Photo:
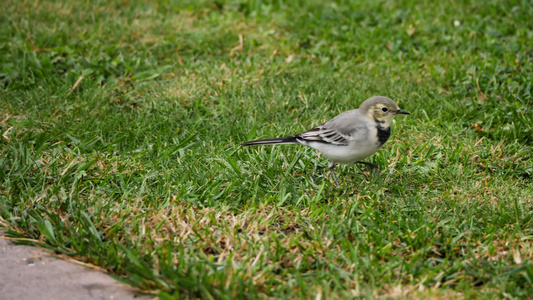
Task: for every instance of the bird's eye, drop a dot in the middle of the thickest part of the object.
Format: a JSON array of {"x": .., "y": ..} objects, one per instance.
[{"x": 384, "y": 109}]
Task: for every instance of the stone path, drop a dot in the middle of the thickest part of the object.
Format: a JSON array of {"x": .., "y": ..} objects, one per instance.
[{"x": 32, "y": 273}]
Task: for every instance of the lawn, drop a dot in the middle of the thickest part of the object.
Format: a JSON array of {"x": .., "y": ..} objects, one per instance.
[{"x": 121, "y": 123}]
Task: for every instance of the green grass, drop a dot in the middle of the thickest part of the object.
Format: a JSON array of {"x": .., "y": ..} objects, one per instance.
[{"x": 120, "y": 125}]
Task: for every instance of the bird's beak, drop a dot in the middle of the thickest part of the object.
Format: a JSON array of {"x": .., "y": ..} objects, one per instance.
[{"x": 402, "y": 112}]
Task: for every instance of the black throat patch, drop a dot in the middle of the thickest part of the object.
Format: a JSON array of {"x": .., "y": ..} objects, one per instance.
[{"x": 383, "y": 134}]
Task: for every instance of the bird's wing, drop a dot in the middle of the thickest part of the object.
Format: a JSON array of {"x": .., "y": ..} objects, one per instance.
[
  {"x": 339, "y": 130},
  {"x": 324, "y": 135}
]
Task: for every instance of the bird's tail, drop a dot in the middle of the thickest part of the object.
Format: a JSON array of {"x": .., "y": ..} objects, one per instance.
[{"x": 281, "y": 140}]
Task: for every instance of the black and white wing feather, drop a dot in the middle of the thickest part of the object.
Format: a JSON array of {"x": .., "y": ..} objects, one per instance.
[
  {"x": 337, "y": 131},
  {"x": 322, "y": 134}
]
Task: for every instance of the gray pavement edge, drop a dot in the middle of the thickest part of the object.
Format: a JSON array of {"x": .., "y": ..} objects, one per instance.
[{"x": 32, "y": 273}]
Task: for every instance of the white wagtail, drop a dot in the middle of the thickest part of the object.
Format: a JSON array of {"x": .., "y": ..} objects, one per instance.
[{"x": 349, "y": 137}]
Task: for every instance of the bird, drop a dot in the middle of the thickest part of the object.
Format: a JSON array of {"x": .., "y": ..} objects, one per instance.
[{"x": 349, "y": 137}]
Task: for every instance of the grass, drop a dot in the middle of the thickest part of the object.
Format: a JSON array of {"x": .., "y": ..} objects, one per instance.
[{"x": 121, "y": 123}]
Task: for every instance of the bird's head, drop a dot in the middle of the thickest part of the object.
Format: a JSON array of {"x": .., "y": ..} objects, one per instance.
[{"x": 381, "y": 109}]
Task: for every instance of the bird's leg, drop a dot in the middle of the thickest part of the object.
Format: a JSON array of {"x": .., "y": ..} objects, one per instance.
[
  {"x": 374, "y": 167},
  {"x": 331, "y": 166}
]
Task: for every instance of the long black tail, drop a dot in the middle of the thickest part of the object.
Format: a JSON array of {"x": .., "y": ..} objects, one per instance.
[{"x": 281, "y": 140}]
